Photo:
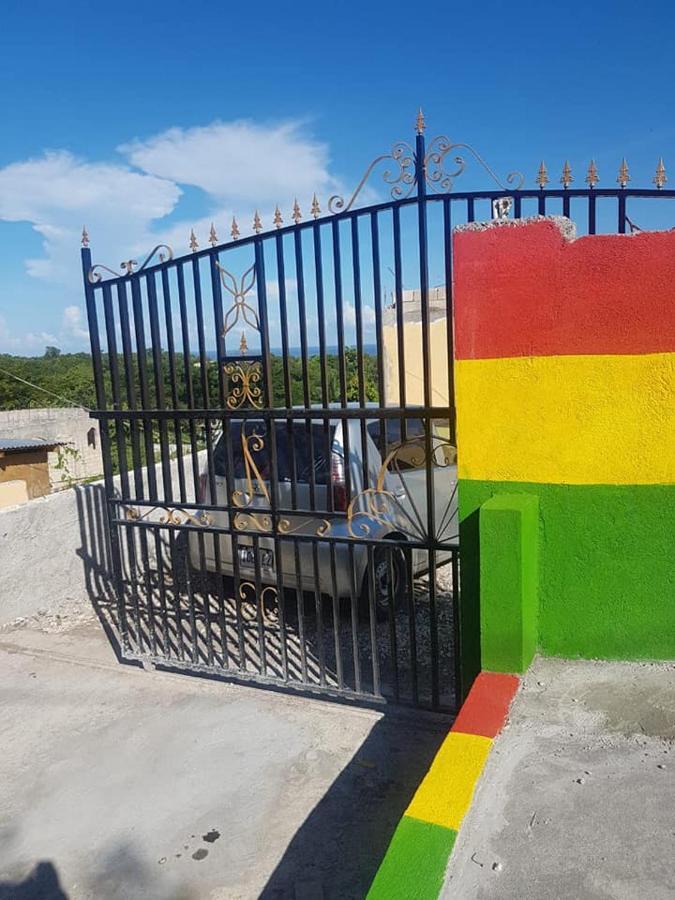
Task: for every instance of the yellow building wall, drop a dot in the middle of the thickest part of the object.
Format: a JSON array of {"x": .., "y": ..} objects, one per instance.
[{"x": 413, "y": 359}]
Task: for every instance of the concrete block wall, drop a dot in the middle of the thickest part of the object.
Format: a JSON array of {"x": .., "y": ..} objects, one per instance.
[
  {"x": 43, "y": 544},
  {"x": 565, "y": 375},
  {"x": 54, "y": 550}
]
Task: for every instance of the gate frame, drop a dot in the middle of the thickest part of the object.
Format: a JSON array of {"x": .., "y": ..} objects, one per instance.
[{"x": 420, "y": 180}]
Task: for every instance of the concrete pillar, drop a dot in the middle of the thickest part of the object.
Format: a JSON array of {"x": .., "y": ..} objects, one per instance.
[{"x": 508, "y": 582}]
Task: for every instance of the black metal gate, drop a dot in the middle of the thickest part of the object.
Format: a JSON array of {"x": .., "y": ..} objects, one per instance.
[{"x": 278, "y": 432}]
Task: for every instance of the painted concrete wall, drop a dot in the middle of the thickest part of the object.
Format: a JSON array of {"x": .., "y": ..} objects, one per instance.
[
  {"x": 13, "y": 492},
  {"x": 565, "y": 373}
]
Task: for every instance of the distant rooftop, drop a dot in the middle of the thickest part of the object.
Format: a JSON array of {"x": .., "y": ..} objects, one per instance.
[{"x": 14, "y": 445}]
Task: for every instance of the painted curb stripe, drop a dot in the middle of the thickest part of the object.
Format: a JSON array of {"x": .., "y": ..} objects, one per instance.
[
  {"x": 491, "y": 697},
  {"x": 533, "y": 292},
  {"x": 459, "y": 762},
  {"x": 414, "y": 865},
  {"x": 568, "y": 419},
  {"x": 415, "y": 862}
]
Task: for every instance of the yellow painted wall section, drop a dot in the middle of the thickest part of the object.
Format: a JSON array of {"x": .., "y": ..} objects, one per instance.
[{"x": 567, "y": 419}]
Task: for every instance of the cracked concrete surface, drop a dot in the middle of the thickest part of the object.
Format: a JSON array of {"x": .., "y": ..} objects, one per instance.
[{"x": 577, "y": 799}]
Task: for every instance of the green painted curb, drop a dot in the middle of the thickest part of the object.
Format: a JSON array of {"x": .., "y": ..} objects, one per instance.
[{"x": 414, "y": 865}]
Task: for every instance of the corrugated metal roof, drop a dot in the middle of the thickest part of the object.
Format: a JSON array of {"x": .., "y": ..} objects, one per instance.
[{"x": 9, "y": 445}]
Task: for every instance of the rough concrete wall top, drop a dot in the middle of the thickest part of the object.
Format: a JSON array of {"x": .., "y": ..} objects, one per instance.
[{"x": 566, "y": 227}]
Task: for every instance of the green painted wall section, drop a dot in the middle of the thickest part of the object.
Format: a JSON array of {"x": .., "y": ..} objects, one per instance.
[
  {"x": 508, "y": 526},
  {"x": 414, "y": 865},
  {"x": 606, "y": 572}
]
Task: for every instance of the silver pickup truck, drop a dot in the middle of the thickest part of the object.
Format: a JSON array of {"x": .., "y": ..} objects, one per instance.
[{"x": 383, "y": 499}]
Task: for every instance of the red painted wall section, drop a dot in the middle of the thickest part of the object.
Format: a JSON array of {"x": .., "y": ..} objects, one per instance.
[{"x": 549, "y": 295}]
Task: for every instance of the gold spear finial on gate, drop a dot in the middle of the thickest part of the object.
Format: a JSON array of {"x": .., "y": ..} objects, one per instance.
[
  {"x": 660, "y": 178},
  {"x": 566, "y": 178},
  {"x": 542, "y": 178},
  {"x": 213, "y": 237},
  {"x": 592, "y": 177},
  {"x": 234, "y": 231},
  {"x": 278, "y": 221},
  {"x": 297, "y": 215},
  {"x": 243, "y": 346},
  {"x": 193, "y": 240},
  {"x": 316, "y": 209},
  {"x": 623, "y": 177},
  {"x": 85, "y": 236},
  {"x": 420, "y": 124},
  {"x": 257, "y": 224}
]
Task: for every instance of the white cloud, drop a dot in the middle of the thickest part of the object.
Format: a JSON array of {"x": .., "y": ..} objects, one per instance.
[
  {"x": 59, "y": 193},
  {"x": 28, "y": 343},
  {"x": 240, "y": 166},
  {"x": 272, "y": 288},
  {"x": 58, "y": 186},
  {"x": 367, "y": 315},
  {"x": 73, "y": 323},
  {"x": 238, "y": 163},
  {"x": 72, "y": 334}
]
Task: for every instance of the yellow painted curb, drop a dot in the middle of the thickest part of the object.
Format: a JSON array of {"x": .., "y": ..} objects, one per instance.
[{"x": 445, "y": 794}]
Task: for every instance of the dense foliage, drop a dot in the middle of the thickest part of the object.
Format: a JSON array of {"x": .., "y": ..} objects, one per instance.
[{"x": 69, "y": 377}]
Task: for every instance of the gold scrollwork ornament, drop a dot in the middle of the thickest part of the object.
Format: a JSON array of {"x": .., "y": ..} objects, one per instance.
[
  {"x": 268, "y": 599},
  {"x": 245, "y": 379},
  {"x": 129, "y": 266},
  {"x": 240, "y": 309},
  {"x": 172, "y": 516}
]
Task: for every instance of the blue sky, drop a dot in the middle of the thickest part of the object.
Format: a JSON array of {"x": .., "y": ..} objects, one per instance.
[{"x": 144, "y": 119}]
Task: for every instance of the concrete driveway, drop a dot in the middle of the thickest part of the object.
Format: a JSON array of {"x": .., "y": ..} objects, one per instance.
[{"x": 119, "y": 783}]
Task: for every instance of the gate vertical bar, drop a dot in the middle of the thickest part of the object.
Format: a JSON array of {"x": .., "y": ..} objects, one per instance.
[
  {"x": 97, "y": 363},
  {"x": 421, "y": 175},
  {"x": 135, "y": 454},
  {"x": 189, "y": 390},
  {"x": 450, "y": 338},
  {"x": 216, "y": 297},
  {"x": 208, "y": 437},
  {"x": 270, "y": 424}
]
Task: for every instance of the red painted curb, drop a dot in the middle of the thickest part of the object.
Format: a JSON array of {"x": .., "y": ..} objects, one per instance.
[{"x": 487, "y": 705}]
